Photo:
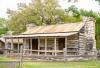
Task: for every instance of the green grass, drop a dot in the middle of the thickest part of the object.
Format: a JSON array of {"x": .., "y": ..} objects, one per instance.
[
  {"x": 87, "y": 64},
  {"x": 84, "y": 64},
  {"x": 6, "y": 59},
  {"x": 4, "y": 67}
]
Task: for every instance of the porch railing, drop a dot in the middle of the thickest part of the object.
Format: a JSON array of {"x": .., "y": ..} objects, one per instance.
[{"x": 43, "y": 50}]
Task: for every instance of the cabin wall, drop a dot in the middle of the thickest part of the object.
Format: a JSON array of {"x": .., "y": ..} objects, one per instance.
[
  {"x": 42, "y": 44},
  {"x": 82, "y": 41},
  {"x": 26, "y": 43},
  {"x": 73, "y": 45}
]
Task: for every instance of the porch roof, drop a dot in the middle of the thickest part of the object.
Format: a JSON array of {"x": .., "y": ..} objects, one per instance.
[
  {"x": 52, "y": 30},
  {"x": 9, "y": 40},
  {"x": 2, "y": 40}
]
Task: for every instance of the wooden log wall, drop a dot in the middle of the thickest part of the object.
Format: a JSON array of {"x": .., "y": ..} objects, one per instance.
[
  {"x": 82, "y": 41},
  {"x": 72, "y": 45}
]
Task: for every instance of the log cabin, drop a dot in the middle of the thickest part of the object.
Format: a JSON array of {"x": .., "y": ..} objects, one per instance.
[{"x": 64, "y": 40}]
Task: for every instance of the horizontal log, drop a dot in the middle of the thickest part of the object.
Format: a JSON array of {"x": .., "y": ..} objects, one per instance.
[{"x": 44, "y": 50}]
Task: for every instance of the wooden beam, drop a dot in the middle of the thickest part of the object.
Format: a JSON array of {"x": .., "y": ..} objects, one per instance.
[
  {"x": 45, "y": 46},
  {"x": 38, "y": 46},
  {"x": 55, "y": 47}
]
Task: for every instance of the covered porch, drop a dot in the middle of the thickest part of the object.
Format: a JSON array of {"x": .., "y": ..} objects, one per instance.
[{"x": 65, "y": 45}]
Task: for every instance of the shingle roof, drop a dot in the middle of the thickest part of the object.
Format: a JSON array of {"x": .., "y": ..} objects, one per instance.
[
  {"x": 58, "y": 28},
  {"x": 53, "y": 30}
]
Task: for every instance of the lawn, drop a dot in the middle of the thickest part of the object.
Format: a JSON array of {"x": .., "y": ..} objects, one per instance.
[
  {"x": 85, "y": 64},
  {"x": 81, "y": 64},
  {"x": 6, "y": 59}
]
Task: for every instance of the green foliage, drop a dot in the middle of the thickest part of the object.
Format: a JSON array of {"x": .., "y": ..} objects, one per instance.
[
  {"x": 74, "y": 10},
  {"x": 73, "y": 14},
  {"x": 3, "y": 31},
  {"x": 98, "y": 1},
  {"x": 2, "y": 23},
  {"x": 3, "y": 26},
  {"x": 39, "y": 12},
  {"x": 98, "y": 32},
  {"x": 88, "y": 13}
]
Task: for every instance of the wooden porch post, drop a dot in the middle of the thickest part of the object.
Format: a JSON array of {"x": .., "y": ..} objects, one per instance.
[
  {"x": 18, "y": 46},
  {"x": 31, "y": 45},
  {"x": 12, "y": 44},
  {"x": 38, "y": 46},
  {"x": 66, "y": 45},
  {"x": 45, "y": 46},
  {"x": 55, "y": 47},
  {"x": 6, "y": 46},
  {"x": 65, "y": 49},
  {"x": 24, "y": 44}
]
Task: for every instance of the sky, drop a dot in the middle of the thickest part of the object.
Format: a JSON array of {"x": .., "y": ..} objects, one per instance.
[{"x": 12, "y": 4}]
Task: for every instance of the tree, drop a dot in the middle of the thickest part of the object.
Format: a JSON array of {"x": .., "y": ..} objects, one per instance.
[
  {"x": 98, "y": 1},
  {"x": 74, "y": 10},
  {"x": 3, "y": 26},
  {"x": 73, "y": 13},
  {"x": 39, "y": 12},
  {"x": 88, "y": 13}
]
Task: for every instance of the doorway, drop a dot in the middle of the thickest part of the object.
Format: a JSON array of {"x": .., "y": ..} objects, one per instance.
[
  {"x": 61, "y": 43},
  {"x": 34, "y": 44}
]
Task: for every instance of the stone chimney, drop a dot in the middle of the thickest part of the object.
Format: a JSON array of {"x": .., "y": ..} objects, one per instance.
[
  {"x": 30, "y": 26},
  {"x": 90, "y": 27},
  {"x": 90, "y": 33}
]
